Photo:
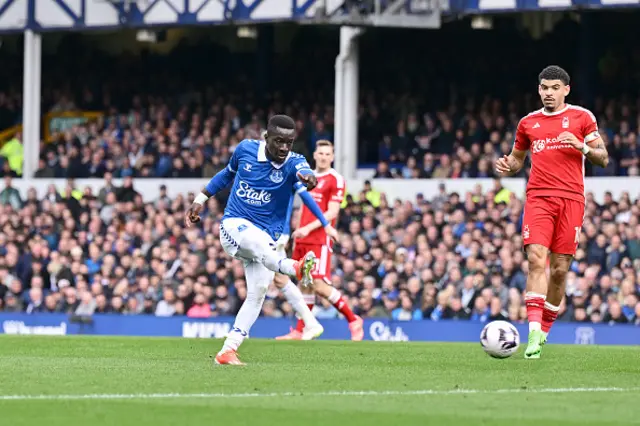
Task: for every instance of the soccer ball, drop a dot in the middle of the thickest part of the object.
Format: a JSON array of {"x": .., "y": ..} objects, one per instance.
[{"x": 500, "y": 339}]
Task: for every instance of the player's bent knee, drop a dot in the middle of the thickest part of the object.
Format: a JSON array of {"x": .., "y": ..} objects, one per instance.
[
  {"x": 558, "y": 275},
  {"x": 537, "y": 256},
  {"x": 322, "y": 288}
]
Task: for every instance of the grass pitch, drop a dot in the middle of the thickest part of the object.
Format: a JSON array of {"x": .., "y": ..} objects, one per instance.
[{"x": 79, "y": 381}]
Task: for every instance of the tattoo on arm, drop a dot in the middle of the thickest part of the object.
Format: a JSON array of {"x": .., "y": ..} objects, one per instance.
[
  {"x": 515, "y": 163},
  {"x": 598, "y": 155}
]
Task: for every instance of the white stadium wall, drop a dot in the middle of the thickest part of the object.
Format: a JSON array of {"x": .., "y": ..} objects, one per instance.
[{"x": 394, "y": 188}]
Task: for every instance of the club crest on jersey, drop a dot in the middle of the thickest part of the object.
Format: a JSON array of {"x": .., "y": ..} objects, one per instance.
[
  {"x": 565, "y": 123},
  {"x": 276, "y": 176}
]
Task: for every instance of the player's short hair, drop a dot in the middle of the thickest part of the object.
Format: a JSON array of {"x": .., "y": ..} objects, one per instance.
[
  {"x": 554, "y": 72},
  {"x": 324, "y": 142},
  {"x": 281, "y": 124}
]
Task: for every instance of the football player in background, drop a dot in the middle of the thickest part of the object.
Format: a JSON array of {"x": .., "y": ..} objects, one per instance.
[
  {"x": 311, "y": 237},
  {"x": 559, "y": 136}
]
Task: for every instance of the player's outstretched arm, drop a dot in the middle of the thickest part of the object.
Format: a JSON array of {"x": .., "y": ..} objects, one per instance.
[
  {"x": 220, "y": 181},
  {"x": 308, "y": 201},
  {"x": 510, "y": 165},
  {"x": 333, "y": 210}
]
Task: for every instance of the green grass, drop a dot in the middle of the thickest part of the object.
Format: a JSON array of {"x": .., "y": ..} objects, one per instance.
[{"x": 91, "y": 365}]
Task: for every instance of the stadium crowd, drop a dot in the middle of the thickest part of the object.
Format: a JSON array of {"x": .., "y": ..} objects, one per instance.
[
  {"x": 155, "y": 141},
  {"x": 181, "y": 122},
  {"x": 451, "y": 256}
]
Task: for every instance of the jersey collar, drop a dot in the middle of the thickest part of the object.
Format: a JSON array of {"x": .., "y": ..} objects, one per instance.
[
  {"x": 262, "y": 156},
  {"x": 566, "y": 107}
]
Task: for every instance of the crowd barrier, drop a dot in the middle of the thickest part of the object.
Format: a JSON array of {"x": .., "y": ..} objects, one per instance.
[
  {"x": 375, "y": 329},
  {"x": 394, "y": 188}
]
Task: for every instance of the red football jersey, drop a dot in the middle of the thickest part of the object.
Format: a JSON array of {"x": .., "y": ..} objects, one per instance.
[
  {"x": 331, "y": 187},
  {"x": 557, "y": 169}
]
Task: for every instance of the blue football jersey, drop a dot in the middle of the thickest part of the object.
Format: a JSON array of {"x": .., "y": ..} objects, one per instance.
[{"x": 263, "y": 190}]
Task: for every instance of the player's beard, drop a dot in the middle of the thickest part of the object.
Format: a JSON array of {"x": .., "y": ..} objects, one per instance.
[{"x": 551, "y": 105}]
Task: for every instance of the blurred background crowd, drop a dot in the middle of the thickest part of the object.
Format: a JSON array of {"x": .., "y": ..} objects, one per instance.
[
  {"x": 442, "y": 256},
  {"x": 418, "y": 118}
]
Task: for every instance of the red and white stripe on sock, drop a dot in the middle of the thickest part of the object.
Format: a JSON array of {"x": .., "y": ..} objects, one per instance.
[
  {"x": 535, "y": 306},
  {"x": 549, "y": 315},
  {"x": 341, "y": 305}
]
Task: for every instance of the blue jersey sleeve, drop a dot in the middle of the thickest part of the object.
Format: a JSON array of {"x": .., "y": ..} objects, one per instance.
[
  {"x": 225, "y": 177},
  {"x": 301, "y": 166},
  {"x": 308, "y": 201}
]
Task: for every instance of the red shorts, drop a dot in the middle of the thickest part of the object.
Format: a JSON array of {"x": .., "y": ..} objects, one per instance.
[
  {"x": 553, "y": 222},
  {"x": 322, "y": 270}
]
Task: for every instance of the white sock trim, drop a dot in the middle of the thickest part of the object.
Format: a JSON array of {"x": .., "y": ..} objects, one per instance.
[
  {"x": 309, "y": 299},
  {"x": 532, "y": 295},
  {"x": 334, "y": 296},
  {"x": 550, "y": 307},
  {"x": 535, "y": 326}
]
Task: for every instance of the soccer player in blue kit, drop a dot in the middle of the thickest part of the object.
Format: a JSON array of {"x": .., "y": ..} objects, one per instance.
[{"x": 265, "y": 175}]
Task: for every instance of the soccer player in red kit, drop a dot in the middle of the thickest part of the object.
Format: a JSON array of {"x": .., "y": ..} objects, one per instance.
[
  {"x": 310, "y": 236},
  {"x": 559, "y": 137}
]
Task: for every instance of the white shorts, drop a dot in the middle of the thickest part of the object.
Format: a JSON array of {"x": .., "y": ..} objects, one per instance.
[{"x": 243, "y": 240}]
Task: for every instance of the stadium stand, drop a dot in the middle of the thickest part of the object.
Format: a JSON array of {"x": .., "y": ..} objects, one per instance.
[
  {"x": 441, "y": 256},
  {"x": 456, "y": 256},
  {"x": 154, "y": 142},
  {"x": 180, "y": 123}
]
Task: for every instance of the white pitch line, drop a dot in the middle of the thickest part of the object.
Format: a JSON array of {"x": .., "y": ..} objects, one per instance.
[{"x": 309, "y": 394}]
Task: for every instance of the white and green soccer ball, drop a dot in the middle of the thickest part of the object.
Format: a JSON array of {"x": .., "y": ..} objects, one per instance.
[{"x": 500, "y": 339}]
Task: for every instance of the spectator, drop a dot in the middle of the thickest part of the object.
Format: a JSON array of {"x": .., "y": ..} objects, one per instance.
[
  {"x": 10, "y": 195},
  {"x": 12, "y": 152}
]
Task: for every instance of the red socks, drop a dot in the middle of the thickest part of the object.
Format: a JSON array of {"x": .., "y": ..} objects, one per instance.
[
  {"x": 535, "y": 305},
  {"x": 549, "y": 315},
  {"x": 338, "y": 302},
  {"x": 342, "y": 306}
]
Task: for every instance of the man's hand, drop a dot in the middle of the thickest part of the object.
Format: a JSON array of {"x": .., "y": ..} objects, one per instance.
[
  {"x": 301, "y": 232},
  {"x": 596, "y": 153},
  {"x": 502, "y": 166},
  {"x": 309, "y": 180},
  {"x": 193, "y": 215},
  {"x": 331, "y": 233},
  {"x": 571, "y": 139}
]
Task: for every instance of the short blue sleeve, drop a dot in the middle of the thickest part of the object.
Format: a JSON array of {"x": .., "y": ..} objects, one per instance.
[{"x": 301, "y": 165}]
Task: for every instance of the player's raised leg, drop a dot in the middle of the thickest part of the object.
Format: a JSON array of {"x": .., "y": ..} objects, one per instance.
[
  {"x": 248, "y": 242},
  {"x": 312, "y": 329},
  {"x": 243, "y": 240}
]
